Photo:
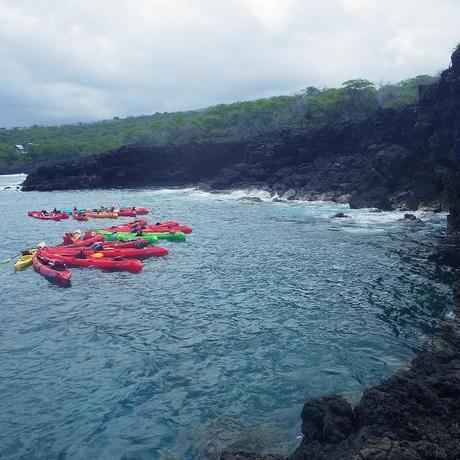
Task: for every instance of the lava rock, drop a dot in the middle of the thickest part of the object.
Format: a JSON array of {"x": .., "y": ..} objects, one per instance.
[
  {"x": 250, "y": 199},
  {"x": 410, "y": 218}
]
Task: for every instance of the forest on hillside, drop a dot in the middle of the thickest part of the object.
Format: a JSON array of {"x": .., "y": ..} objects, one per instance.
[{"x": 312, "y": 107}]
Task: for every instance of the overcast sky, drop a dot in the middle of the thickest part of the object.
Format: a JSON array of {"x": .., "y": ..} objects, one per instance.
[{"x": 81, "y": 60}]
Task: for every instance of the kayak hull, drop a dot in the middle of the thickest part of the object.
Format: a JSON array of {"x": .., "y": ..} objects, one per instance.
[
  {"x": 50, "y": 216},
  {"x": 128, "y": 253},
  {"x": 23, "y": 262},
  {"x": 87, "y": 241},
  {"x": 125, "y": 236},
  {"x": 79, "y": 217},
  {"x": 127, "y": 213},
  {"x": 130, "y": 265},
  {"x": 102, "y": 215},
  {"x": 59, "y": 277}
]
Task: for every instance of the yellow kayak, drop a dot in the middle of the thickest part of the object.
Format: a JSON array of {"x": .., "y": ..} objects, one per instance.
[{"x": 24, "y": 262}]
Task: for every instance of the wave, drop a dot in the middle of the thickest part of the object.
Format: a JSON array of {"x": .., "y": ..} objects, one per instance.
[{"x": 11, "y": 182}]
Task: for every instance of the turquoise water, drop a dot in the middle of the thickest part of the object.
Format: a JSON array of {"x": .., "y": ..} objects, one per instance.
[{"x": 266, "y": 305}]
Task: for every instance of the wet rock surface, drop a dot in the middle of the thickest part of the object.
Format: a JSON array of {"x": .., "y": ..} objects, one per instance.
[{"x": 413, "y": 415}]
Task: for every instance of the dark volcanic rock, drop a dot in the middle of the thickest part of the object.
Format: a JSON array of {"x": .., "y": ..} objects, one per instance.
[
  {"x": 410, "y": 218},
  {"x": 402, "y": 158},
  {"x": 376, "y": 162},
  {"x": 413, "y": 415},
  {"x": 250, "y": 199}
]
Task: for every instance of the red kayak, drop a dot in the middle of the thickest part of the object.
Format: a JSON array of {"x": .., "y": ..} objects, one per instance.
[
  {"x": 167, "y": 228},
  {"x": 127, "y": 213},
  {"x": 128, "y": 253},
  {"x": 127, "y": 226},
  {"x": 53, "y": 272},
  {"x": 104, "y": 244},
  {"x": 87, "y": 241},
  {"x": 141, "y": 211},
  {"x": 151, "y": 228},
  {"x": 79, "y": 217},
  {"x": 48, "y": 216},
  {"x": 119, "y": 264}
]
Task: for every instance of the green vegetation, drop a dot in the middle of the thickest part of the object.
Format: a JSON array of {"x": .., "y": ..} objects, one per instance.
[{"x": 311, "y": 107}]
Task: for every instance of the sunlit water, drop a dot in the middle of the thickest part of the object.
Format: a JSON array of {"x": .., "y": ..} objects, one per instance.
[{"x": 266, "y": 305}]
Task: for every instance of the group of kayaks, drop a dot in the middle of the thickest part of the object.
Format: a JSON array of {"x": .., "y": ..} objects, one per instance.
[
  {"x": 83, "y": 215},
  {"x": 119, "y": 248}
]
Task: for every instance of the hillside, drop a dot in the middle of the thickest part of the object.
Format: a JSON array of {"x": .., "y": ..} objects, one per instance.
[{"x": 239, "y": 121}]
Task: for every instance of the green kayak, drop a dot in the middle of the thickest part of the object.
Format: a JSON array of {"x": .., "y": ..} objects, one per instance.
[
  {"x": 126, "y": 236},
  {"x": 150, "y": 237}
]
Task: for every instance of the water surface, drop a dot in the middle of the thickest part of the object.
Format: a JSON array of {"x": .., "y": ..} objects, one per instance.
[{"x": 266, "y": 305}]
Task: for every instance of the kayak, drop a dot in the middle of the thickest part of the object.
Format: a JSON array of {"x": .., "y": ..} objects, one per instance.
[
  {"x": 24, "y": 261},
  {"x": 152, "y": 236},
  {"x": 48, "y": 216},
  {"x": 168, "y": 228},
  {"x": 126, "y": 226},
  {"x": 127, "y": 213},
  {"x": 86, "y": 241},
  {"x": 119, "y": 264},
  {"x": 152, "y": 228},
  {"x": 79, "y": 217},
  {"x": 139, "y": 211},
  {"x": 102, "y": 215},
  {"x": 128, "y": 253},
  {"x": 104, "y": 245},
  {"x": 127, "y": 236},
  {"x": 53, "y": 272}
]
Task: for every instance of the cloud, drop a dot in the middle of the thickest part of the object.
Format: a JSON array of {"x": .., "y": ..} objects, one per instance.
[{"x": 85, "y": 60}]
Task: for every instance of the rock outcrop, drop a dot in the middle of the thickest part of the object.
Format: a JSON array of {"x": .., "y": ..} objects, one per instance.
[
  {"x": 413, "y": 415},
  {"x": 377, "y": 162},
  {"x": 397, "y": 159}
]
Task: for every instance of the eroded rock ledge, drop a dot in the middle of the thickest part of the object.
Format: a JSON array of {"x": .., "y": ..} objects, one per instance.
[
  {"x": 413, "y": 415},
  {"x": 397, "y": 159}
]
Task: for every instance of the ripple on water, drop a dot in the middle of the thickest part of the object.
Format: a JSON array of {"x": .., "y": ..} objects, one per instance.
[{"x": 266, "y": 305}]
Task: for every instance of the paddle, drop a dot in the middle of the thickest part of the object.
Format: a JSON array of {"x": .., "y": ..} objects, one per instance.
[{"x": 5, "y": 261}]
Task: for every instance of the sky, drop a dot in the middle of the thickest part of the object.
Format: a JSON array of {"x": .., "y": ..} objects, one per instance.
[{"x": 64, "y": 61}]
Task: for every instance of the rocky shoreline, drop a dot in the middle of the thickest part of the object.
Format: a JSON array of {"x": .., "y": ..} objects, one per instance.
[
  {"x": 404, "y": 159},
  {"x": 413, "y": 415},
  {"x": 395, "y": 159}
]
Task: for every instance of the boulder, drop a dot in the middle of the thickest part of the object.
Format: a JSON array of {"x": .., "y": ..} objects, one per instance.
[
  {"x": 250, "y": 199},
  {"x": 410, "y": 218}
]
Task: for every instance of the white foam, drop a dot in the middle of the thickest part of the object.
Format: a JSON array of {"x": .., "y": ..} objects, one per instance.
[
  {"x": 10, "y": 182},
  {"x": 224, "y": 194}
]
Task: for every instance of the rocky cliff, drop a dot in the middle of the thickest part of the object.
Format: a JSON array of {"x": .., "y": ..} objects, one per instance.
[{"x": 396, "y": 159}]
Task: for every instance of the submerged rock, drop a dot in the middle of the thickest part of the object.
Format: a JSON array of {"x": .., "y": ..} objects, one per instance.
[
  {"x": 410, "y": 218},
  {"x": 339, "y": 215},
  {"x": 250, "y": 199}
]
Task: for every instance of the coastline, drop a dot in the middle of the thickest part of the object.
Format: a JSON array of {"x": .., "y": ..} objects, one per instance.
[{"x": 411, "y": 415}]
